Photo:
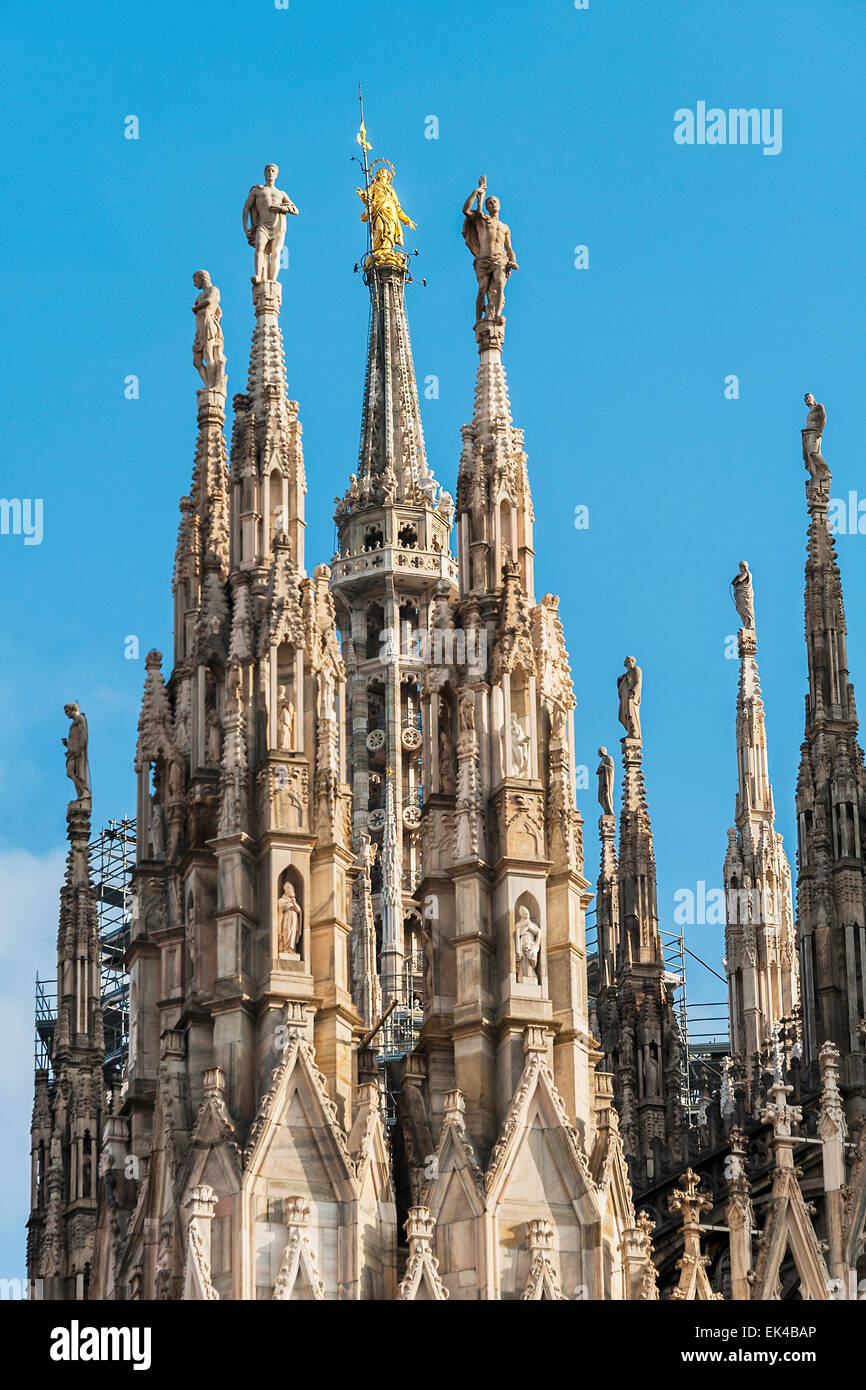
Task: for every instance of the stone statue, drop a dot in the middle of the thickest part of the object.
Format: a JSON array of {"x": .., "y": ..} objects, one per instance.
[
  {"x": 214, "y": 737},
  {"x": 629, "y": 686},
  {"x": 327, "y": 695},
  {"x": 289, "y": 922},
  {"x": 744, "y": 595},
  {"x": 285, "y": 721},
  {"x": 77, "y": 765},
  {"x": 519, "y": 748},
  {"x": 605, "y": 782},
  {"x": 383, "y": 212},
  {"x": 157, "y": 829},
  {"x": 558, "y": 721},
  {"x": 527, "y": 942},
  {"x": 266, "y": 207},
  {"x": 467, "y": 712},
  {"x": 208, "y": 356},
  {"x": 815, "y": 421},
  {"x": 175, "y": 778},
  {"x": 489, "y": 240},
  {"x": 446, "y": 763}
]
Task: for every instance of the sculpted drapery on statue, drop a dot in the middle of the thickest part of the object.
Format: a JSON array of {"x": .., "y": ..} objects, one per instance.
[
  {"x": 77, "y": 765},
  {"x": 489, "y": 240},
  {"x": 629, "y": 686},
  {"x": 527, "y": 943},
  {"x": 208, "y": 355},
  {"x": 605, "y": 782},
  {"x": 383, "y": 212},
  {"x": 267, "y": 207},
  {"x": 816, "y": 419},
  {"x": 744, "y": 594},
  {"x": 289, "y": 922}
]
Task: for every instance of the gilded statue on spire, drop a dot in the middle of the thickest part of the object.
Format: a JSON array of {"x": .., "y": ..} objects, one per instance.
[{"x": 386, "y": 217}]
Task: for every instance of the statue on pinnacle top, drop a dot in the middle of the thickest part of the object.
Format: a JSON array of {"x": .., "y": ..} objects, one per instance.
[
  {"x": 77, "y": 766},
  {"x": 629, "y": 686},
  {"x": 744, "y": 594},
  {"x": 605, "y": 781},
  {"x": 266, "y": 207},
  {"x": 385, "y": 215},
  {"x": 816, "y": 419},
  {"x": 208, "y": 356},
  {"x": 489, "y": 240}
]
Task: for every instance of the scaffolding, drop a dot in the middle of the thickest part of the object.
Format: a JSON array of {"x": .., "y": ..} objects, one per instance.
[
  {"x": 400, "y": 1030},
  {"x": 111, "y": 857}
]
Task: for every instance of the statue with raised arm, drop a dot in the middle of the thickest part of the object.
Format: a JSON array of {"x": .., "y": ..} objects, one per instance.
[
  {"x": 816, "y": 419},
  {"x": 77, "y": 765},
  {"x": 629, "y": 686},
  {"x": 489, "y": 240},
  {"x": 744, "y": 594},
  {"x": 266, "y": 208},
  {"x": 605, "y": 782},
  {"x": 208, "y": 356},
  {"x": 386, "y": 217}
]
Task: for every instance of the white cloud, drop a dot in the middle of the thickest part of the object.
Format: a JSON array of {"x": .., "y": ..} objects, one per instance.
[{"x": 29, "y": 903}]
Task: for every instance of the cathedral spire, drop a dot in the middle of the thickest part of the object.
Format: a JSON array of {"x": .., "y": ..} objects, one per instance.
[
  {"x": 493, "y": 497},
  {"x": 831, "y": 793},
  {"x": 760, "y": 958},
  {"x": 267, "y": 462}
]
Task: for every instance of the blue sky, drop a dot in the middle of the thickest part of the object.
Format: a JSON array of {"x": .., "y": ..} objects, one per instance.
[{"x": 704, "y": 261}]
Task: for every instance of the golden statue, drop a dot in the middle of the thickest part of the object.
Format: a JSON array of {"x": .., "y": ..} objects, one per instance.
[{"x": 383, "y": 211}]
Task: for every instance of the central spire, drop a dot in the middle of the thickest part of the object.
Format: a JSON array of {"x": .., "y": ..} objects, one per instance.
[{"x": 392, "y": 464}]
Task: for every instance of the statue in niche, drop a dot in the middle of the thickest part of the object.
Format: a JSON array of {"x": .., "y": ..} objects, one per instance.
[
  {"x": 558, "y": 721},
  {"x": 467, "y": 712},
  {"x": 208, "y": 355},
  {"x": 213, "y": 737},
  {"x": 327, "y": 695},
  {"x": 77, "y": 765},
  {"x": 267, "y": 207},
  {"x": 446, "y": 762},
  {"x": 520, "y": 741},
  {"x": 814, "y": 461},
  {"x": 650, "y": 1073},
  {"x": 629, "y": 686},
  {"x": 285, "y": 721},
  {"x": 157, "y": 829},
  {"x": 493, "y": 259},
  {"x": 605, "y": 782},
  {"x": 175, "y": 778},
  {"x": 289, "y": 922},
  {"x": 744, "y": 595},
  {"x": 527, "y": 943}
]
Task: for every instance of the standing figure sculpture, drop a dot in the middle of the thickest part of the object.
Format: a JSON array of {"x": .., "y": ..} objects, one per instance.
[
  {"x": 289, "y": 917},
  {"x": 267, "y": 207},
  {"x": 744, "y": 594},
  {"x": 816, "y": 419},
  {"x": 489, "y": 240},
  {"x": 213, "y": 739},
  {"x": 77, "y": 766},
  {"x": 527, "y": 943},
  {"x": 208, "y": 356},
  {"x": 605, "y": 782},
  {"x": 383, "y": 212},
  {"x": 629, "y": 686},
  {"x": 285, "y": 721},
  {"x": 520, "y": 741}
]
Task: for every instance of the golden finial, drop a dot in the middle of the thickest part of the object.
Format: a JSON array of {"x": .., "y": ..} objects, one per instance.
[{"x": 382, "y": 211}]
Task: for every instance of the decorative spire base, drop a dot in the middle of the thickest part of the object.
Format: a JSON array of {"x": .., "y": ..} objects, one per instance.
[{"x": 490, "y": 334}]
